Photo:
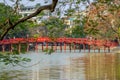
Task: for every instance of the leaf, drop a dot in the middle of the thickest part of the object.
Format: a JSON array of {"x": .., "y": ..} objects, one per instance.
[{"x": 26, "y": 59}]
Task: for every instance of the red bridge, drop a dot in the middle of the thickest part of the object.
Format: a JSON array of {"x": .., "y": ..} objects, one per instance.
[{"x": 61, "y": 44}]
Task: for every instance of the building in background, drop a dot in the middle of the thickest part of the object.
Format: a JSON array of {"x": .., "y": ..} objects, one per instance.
[{"x": 26, "y": 11}]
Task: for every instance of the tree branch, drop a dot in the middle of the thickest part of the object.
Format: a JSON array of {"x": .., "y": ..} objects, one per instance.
[
  {"x": 50, "y": 7},
  {"x": 114, "y": 30},
  {"x": 16, "y": 6}
]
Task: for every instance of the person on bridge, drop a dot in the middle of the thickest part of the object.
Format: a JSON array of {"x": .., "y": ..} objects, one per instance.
[{"x": 116, "y": 40}]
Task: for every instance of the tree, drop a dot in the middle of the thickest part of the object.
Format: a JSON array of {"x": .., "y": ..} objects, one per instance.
[
  {"x": 10, "y": 19},
  {"x": 8, "y": 23},
  {"x": 5, "y": 15},
  {"x": 53, "y": 28},
  {"x": 97, "y": 11},
  {"x": 103, "y": 17}
]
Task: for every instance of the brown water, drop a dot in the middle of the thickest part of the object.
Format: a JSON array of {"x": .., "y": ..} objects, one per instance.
[{"x": 66, "y": 66}]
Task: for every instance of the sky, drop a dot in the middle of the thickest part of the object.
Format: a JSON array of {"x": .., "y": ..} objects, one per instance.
[{"x": 26, "y": 2}]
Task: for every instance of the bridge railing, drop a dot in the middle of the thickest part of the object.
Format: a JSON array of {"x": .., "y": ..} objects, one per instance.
[{"x": 104, "y": 43}]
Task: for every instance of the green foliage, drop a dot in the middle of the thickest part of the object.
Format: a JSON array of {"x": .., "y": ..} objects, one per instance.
[
  {"x": 20, "y": 31},
  {"x": 108, "y": 34},
  {"x": 92, "y": 31},
  {"x": 77, "y": 32},
  {"x": 69, "y": 12},
  {"x": 15, "y": 49},
  {"x": 23, "y": 48},
  {"x": 6, "y": 13},
  {"x": 119, "y": 31},
  {"x": 77, "y": 22},
  {"x": 36, "y": 35},
  {"x": 55, "y": 27},
  {"x": 7, "y": 58}
]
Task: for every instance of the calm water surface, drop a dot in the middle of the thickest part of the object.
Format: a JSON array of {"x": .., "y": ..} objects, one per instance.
[{"x": 65, "y": 66}]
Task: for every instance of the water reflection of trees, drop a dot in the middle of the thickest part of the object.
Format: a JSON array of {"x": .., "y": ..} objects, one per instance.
[
  {"x": 100, "y": 67},
  {"x": 97, "y": 66},
  {"x": 117, "y": 67},
  {"x": 91, "y": 67},
  {"x": 15, "y": 75},
  {"x": 75, "y": 69}
]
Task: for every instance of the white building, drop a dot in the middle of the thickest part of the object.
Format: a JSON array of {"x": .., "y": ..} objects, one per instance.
[{"x": 26, "y": 11}]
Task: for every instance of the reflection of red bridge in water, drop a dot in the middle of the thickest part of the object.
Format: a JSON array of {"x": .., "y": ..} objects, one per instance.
[{"x": 58, "y": 44}]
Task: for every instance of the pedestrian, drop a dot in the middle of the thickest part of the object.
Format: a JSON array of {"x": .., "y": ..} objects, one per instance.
[{"x": 116, "y": 40}]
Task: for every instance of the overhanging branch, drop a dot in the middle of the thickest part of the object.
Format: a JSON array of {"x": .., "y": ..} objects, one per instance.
[{"x": 50, "y": 7}]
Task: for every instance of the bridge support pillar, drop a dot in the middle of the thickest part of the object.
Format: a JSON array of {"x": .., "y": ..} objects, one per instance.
[
  {"x": 84, "y": 47},
  {"x": 108, "y": 49},
  {"x": 46, "y": 45},
  {"x": 70, "y": 47},
  {"x": 99, "y": 50},
  {"x": 94, "y": 48},
  {"x": 79, "y": 47},
  {"x": 89, "y": 48},
  {"x": 74, "y": 46},
  {"x": 64, "y": 47},
  {"x": 27, "y": 47},
  {"x": 36, "y": 47},
  {"x": 19, "y": 47},
  {"x": 11, "y": 47},
  {"x": 55, "y": 46},
  {"x": 42, "y": 47},
  {"x": 52, "y": 47},
  {"x": 3, "y": 48},
  {"x": 61, "y": 47},
  {"x": 104, "y": 49}
]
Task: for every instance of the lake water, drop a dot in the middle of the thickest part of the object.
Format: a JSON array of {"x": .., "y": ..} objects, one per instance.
[{"x": 65, "y": 66}]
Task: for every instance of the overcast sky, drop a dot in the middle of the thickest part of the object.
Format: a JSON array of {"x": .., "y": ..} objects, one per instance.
[{"x": 27, "y": 3}]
